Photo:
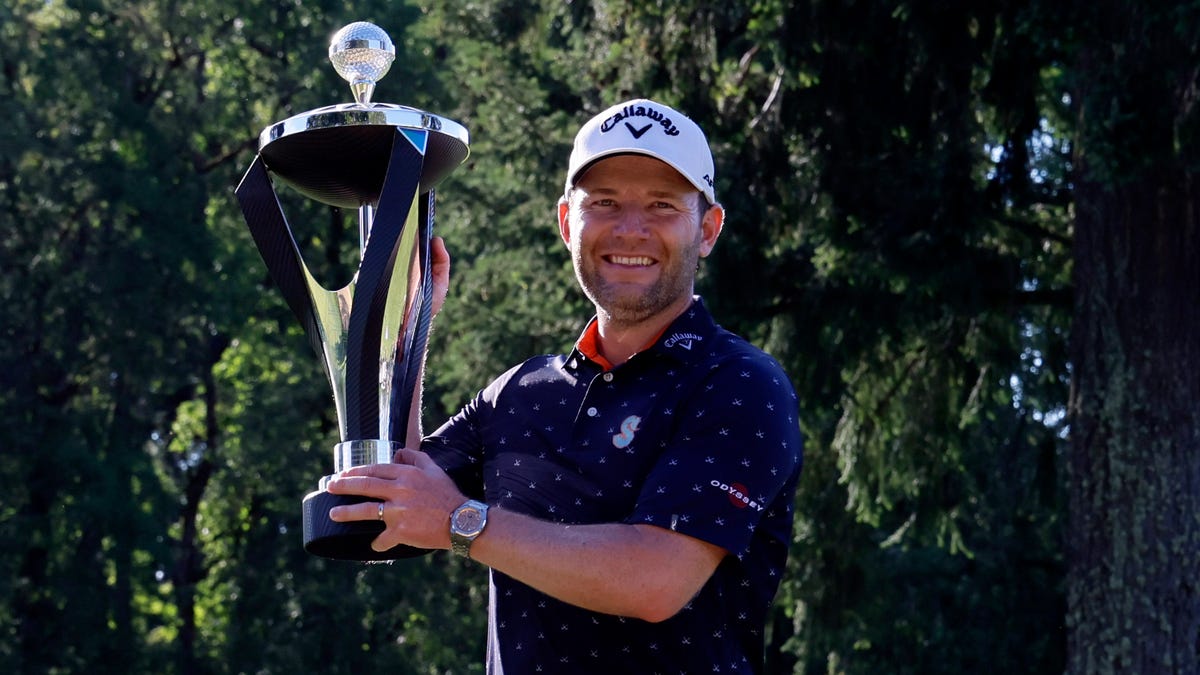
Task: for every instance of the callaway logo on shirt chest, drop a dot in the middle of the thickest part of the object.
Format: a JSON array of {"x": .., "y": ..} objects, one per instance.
[{"x": 685, "y": 340}]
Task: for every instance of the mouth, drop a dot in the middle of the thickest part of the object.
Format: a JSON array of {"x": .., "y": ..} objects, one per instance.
[{"x": 629, "y": 260}]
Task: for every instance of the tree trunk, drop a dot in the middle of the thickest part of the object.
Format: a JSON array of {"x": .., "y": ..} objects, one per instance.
[
  {"x": 190, "y": 564},
  {"x": 1134, "y": 461}
]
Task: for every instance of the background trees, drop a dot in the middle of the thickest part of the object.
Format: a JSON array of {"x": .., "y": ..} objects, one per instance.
[{"x": 923, "y": 200}]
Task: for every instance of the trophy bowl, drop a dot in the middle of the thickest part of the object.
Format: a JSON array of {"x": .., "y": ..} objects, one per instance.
[{"x": 298, "y": 150}]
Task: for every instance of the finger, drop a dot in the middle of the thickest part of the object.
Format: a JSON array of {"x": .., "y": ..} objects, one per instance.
[
  {"x": 414, "y": 458},
  {"x": 439, "y": 257},
  {"x": 440, "y": 270},
  {"x": 352, "y": 512},
  {"x": 367, "y": 486}
]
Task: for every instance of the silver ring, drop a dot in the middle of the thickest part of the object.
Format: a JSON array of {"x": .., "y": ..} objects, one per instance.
[{"x": 381, "y": 510}]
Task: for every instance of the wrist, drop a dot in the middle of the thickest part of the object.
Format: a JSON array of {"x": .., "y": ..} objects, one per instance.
[{"x": 467, "y": 522}]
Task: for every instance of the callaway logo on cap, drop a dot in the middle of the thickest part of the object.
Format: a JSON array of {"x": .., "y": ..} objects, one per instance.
[{"x": 644, "y": 127}]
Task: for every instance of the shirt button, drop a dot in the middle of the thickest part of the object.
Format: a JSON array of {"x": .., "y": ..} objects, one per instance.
[
  {"x": 608, "y": 377},
  {"x": 592, "y": 412}
]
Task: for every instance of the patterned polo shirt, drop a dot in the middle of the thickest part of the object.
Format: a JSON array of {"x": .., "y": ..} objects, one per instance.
[{"x": 697, "y": 433}]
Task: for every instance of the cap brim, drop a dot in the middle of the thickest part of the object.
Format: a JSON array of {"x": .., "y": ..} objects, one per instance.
[{"x": 616, "y": 152}]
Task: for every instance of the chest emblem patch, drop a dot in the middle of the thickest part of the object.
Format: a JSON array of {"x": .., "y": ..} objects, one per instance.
[{"x": 628, "y": 428}]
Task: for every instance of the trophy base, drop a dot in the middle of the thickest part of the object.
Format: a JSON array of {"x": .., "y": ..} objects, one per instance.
[{"x": 345, "y": 541}]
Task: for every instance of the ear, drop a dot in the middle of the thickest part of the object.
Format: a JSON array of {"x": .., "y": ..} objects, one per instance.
[
  {"x": 710, "y": 228},
  {"x": 564, "y": 226}
]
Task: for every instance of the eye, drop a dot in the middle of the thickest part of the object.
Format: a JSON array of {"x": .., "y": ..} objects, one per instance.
[{"x": 664, "y": 205}]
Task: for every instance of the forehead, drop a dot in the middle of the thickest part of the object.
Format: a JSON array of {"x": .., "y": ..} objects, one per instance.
[{"x": 633, "y": 172}]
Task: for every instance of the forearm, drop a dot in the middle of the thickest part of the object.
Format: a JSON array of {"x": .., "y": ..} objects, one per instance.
[{"x": 637, "y": 571}]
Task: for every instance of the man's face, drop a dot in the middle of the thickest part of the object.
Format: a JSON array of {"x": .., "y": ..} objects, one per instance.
[{"x": 636, "y": 229}]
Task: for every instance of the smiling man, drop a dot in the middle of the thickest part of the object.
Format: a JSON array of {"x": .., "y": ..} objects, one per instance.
[
  {"x": 633, "y": 498},
  {"x": 636, "y": 229}
]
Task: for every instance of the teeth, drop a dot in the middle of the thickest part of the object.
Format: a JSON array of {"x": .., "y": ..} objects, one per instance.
[{"x": 631, "y": 260}]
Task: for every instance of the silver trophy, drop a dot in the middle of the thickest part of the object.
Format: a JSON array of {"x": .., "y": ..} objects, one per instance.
[{"x": 383, "y": 160}]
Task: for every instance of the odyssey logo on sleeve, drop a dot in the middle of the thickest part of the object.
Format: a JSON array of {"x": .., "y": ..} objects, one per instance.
[{"x": 738, "y": 495}]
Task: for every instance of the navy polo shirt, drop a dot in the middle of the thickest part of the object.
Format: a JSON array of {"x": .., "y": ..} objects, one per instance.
[{"x": 698, "y": 434}]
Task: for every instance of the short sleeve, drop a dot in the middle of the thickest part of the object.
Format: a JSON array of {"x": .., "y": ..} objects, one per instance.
[
  {"x": 735, "y": 450},
  {"x": 459, "y": 445}
]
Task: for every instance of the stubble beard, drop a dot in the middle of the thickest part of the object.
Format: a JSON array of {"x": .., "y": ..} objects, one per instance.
[{"x": 626, "y": 307}]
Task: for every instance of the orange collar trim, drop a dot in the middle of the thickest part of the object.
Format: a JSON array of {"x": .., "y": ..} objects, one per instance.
[{"x": 589, "y": 344}]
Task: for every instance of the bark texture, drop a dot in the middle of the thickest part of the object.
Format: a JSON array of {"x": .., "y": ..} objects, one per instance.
[{"x": 1134, "y": 462}]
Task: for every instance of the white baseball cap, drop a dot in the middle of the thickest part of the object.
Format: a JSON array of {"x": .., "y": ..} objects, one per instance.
[{"x": 645, "y": 127}]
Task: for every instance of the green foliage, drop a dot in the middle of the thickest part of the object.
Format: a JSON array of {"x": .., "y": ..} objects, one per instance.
[{"x": 897, "y": 181}]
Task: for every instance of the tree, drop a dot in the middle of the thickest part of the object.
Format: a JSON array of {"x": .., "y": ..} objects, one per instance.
[
  {"x": 132, "y": 525},
  {"x": 108, "y": 323},
  {"x": 919, "y": 194},
  {"x": 915, "y": 285},
  {"x": 1134, "y": 544},
  {"x": 935, "y": 281}
]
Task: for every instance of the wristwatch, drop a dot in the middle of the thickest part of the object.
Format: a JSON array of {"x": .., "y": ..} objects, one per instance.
[{"x": 466, "y": 523}]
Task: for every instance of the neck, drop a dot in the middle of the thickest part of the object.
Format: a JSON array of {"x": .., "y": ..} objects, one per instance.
[{"x": 619, "y": 340}]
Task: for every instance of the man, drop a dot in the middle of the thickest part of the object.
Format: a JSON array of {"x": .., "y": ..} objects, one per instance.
[{"x": 633, "y": 498}]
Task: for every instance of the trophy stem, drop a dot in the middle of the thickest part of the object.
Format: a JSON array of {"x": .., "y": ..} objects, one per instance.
[
  {"x": 366, "y": 217},
  {"x": 349, "y": 454},
  {"x": 363, "y": 91}
]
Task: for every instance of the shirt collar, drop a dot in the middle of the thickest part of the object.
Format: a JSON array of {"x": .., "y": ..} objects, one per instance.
[{"x": 681, "y": 340}]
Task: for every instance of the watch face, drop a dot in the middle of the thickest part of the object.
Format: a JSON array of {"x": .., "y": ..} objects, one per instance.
[{"x": 467, "y": 521}]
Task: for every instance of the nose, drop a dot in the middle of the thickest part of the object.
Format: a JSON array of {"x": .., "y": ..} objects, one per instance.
[{"x": 630, "y": 223}]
